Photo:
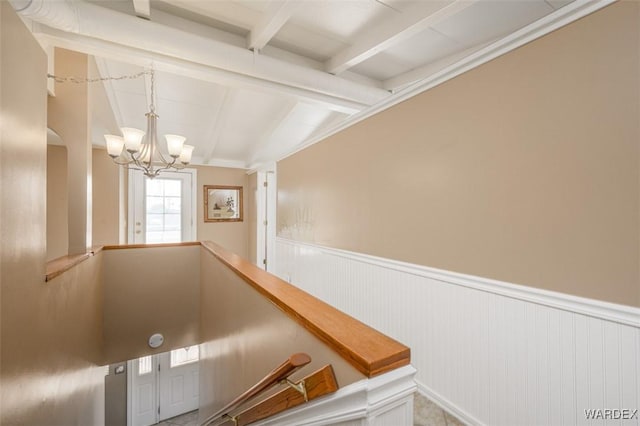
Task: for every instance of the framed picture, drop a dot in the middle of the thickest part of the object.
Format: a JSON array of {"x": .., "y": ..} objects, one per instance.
[{"x": 222, "y": 203}]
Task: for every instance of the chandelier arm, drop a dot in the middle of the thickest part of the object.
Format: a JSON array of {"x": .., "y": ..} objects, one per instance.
[
  {"x": 164, "y": 160},
  {"x": 167, "y": 167},
  {"x": 121, "y": 163},
  {"x": 149, "y": 158},
  {"x": 137, "y": 162}
]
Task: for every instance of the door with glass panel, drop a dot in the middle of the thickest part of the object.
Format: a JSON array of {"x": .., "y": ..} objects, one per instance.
[
  {"x": 163, "y": 386},
  {"x": 161, "y": 210},
  {"x": 179, "y": 392}
]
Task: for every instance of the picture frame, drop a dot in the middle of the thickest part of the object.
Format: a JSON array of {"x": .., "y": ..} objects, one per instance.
[{"x": 223, "y": 203}]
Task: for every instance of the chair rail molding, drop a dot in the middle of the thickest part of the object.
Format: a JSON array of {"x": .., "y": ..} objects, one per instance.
[{"x": 622, "y": 314}]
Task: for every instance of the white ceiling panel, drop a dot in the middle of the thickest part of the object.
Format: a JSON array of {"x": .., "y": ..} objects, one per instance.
[
  {"x": 232, "y": 13},
  {"x": 119, "y": 69},
  {"x": 132, "y": 108},
  {"x": 339, "y": 18},
  {"x": 488, "y": 19},
  {"x": 557, "y": 4},
  {"x": 183, "y": 115},
  {"x": 249, "y": 108},
  {"x": 187, "y": 90},
  {"x": 307, "y": 42},
  {"x": 423, "y": 48},
  {"x": 308, "y": 115}
]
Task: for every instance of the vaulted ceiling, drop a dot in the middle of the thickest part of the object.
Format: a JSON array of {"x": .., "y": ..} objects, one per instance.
[{"x": 249, "y": 81}]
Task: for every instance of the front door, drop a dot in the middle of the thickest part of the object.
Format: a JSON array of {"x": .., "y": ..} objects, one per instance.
[
  {"x": 163, "y": 386},
  {"x": 179, "y": 391},
  {"x": 162, "y": 210}
]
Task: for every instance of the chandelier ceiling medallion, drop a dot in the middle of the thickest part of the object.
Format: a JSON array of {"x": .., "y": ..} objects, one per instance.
[{"x": 138, "y": 152}]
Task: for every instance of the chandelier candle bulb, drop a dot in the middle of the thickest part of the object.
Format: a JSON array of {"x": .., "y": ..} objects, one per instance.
[
  {"x": 132, "y": 138},
  {"x": 175, "y": 144},
  {"x": 185, "y": 155},
  {"x": 115, "y": 144}
]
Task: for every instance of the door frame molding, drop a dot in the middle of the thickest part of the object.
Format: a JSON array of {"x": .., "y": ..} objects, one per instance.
[
  {"x": 131, "y": 200},
  {"x": 266, "y": 209}
]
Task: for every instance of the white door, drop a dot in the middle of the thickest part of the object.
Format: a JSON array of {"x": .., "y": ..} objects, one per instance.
[
  {"x": 179, "y": 391},
  {"x": 163, "y": 386},
  {"x": 162, "y": 209},
  {"x": 143, "y": 391}
]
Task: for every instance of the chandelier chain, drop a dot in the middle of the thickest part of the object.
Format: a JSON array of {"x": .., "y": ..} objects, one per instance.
[
  {"x": 83, "y": 80},
  {"x": 152, "y": 106},
  {"x": 140, "y": 156}
]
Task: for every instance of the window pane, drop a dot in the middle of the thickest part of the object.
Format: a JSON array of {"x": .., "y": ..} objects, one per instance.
[
  {"x": 144, "y": 365},
  {"x": 172, "y": 222},
  {"x": 155, "y": 222},
  {"x": 185, "y": 356},
  {"x": 155, "y": 187},
  {"x": 171, "y": 236},
  {"x": 172, "y": 205},
  {"x": 155, "y": 205},
  {"x": 172, "y": 187},
  {"x": 155, "y": 237},
  {"x": 163, "y": 210}
]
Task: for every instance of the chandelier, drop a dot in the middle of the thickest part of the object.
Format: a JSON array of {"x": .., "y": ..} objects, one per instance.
[{"x": 135, "y": 151}]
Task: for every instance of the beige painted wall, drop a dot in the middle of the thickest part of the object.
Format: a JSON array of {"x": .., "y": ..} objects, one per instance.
[
  {"x": 50, "y": 337},
  {"x": 525, "y": 169},
  {"x": 234, "y": 235},
  {"x": 147, "y": 291},
  {"x": 68, "y": 114},
  {"x": 106, "y": 199},
  {"x": 57, "y": 202},
  {"x": 245, "y": 336},
  {"x": 108, "y": 206}
]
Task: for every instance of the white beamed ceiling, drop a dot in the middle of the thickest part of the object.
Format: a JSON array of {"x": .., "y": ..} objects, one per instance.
[{"x": 250, "y": 116}]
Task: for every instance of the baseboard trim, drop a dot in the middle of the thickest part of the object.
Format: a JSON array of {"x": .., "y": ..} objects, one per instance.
[
  {"x": 621, "y": 314},
  {"x": 447, "y": 406}
]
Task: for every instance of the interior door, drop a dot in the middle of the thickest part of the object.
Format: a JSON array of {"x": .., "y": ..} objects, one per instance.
[
  {"x": 179, "y": 386},
  {"x": 143, "y": 389},
  {"x": 162, "y": 209}
]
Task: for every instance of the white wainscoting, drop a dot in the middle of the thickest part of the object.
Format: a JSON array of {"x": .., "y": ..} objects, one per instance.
[{"x": 488, "y": 352}]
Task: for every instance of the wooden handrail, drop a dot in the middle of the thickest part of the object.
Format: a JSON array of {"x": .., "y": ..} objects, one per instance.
[
  {"x": 62, "y": 264},
  {"x": 317, "y": 384},
  {"x": 155, "y": 245},
  {"x": 280, "y": 373},
  {"x": 365, "y": 348}
]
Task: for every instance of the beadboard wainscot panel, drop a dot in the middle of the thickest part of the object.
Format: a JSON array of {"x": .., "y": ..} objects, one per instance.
[{"x": 488, "y": 352}]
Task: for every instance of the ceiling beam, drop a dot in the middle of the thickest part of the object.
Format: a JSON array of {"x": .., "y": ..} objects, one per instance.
[
  {"x": 273, "y": 19},
  {"x": 97, "y": 28},
  {"x": 403, "y": 26},
  {"x": 142, "y": 8},
  {"x": 194, "y": 70}
]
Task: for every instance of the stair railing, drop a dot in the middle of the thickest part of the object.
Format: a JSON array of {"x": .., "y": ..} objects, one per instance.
[{"x": 277, "y": 375}]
